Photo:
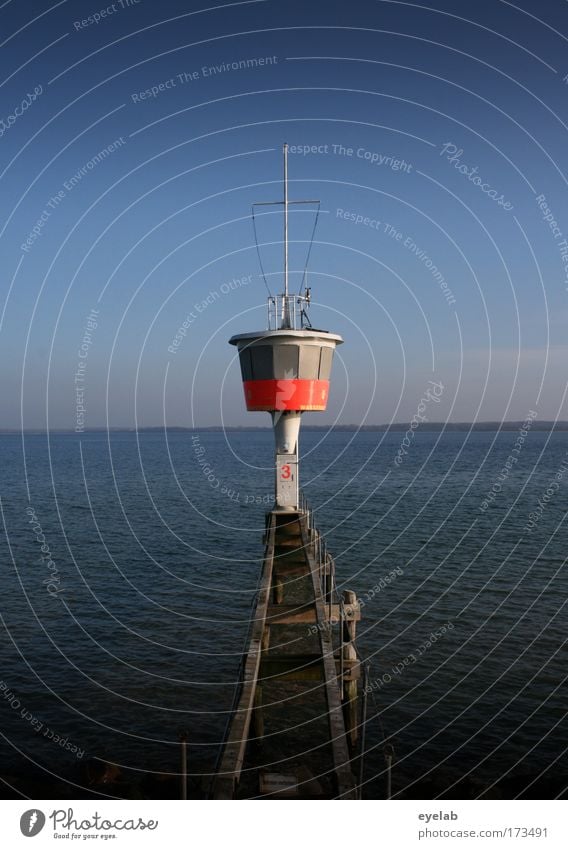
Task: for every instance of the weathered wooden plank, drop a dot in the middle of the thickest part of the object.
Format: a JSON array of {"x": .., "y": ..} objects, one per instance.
[
  {"x": 290, "y": 614},
  {"x": 292, "y": 667},
  {"x": 305, "y": 614},
  {"x": 278, "y": 784},
  {"x": 308, "y": 667}
]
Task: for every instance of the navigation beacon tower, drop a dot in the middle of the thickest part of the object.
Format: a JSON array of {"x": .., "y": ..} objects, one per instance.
[{"x": 286, "y": 369}]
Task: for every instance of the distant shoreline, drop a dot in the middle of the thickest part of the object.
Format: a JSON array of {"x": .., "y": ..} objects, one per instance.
[{"x": 431, "y": 427}]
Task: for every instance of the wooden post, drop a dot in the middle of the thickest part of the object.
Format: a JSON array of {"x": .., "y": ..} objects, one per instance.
[
  {"x": 350, "y": 695},
  {"x": 183, "y": 753},
  {"x": 349, "y": 655},
  {"x": 389, "y": 752},
  {"x": 362, "y": 751},
  {"x": 350, "y": 623}
]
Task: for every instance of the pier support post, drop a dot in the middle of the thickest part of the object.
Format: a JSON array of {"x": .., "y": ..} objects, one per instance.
[
  {"x": 349, "y": 655},
  {"x": 183, "y": 764}
]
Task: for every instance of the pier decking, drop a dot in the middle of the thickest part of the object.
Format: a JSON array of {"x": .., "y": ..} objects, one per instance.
[{"x": 294, "y": 728}]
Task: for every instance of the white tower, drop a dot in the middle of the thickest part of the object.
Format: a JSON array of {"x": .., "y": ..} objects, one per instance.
[{"x": 286, "y": 370}]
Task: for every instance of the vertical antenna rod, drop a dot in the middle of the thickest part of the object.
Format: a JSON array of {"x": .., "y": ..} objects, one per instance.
[{"x": 286, "y": 220}]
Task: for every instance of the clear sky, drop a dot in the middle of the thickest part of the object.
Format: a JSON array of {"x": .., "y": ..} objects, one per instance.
[{"x": 135, "y": 137}]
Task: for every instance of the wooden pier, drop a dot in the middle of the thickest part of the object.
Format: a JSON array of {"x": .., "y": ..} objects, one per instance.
[{"x": 294, "y": 729}]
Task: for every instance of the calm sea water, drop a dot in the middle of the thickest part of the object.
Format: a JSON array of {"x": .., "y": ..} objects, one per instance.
[{"x": 156, "y": 547}]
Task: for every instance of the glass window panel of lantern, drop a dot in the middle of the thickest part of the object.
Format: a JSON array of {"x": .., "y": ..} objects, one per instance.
[
  {"x": 262, "y": 367},
  {"x": 309, "y": 362},
  {"x": 246, "y": 365},
  {"x": 325, "y": 363},
  {"x": 286, "y": 361}
]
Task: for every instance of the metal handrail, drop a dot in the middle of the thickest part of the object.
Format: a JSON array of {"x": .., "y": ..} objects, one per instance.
[{"x": 286, "y": 312}]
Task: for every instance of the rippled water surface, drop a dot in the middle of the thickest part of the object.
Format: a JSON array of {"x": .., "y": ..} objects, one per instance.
[{"x": 156, "y": 548}]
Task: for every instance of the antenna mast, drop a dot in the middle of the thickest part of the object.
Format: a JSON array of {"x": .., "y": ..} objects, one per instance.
[
  {"x": 286, "y": 220},
  {"x": 285, "y": 311}
]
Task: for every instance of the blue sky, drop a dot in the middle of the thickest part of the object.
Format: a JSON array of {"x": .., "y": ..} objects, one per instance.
[{"x": 141, "y": 204}]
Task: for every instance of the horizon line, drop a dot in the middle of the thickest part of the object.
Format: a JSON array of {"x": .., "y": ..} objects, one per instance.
[{"x": 495, "y": 424}]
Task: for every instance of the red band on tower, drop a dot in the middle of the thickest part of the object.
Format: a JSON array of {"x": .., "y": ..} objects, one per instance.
[{"x": 285, "y": 394}]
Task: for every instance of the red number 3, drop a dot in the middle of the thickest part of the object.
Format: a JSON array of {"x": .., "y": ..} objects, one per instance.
[{"x": 286, "y": 472}]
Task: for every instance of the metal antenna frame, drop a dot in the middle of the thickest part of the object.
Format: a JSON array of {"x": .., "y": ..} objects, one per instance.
[{"x": 287, "y": 319}]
